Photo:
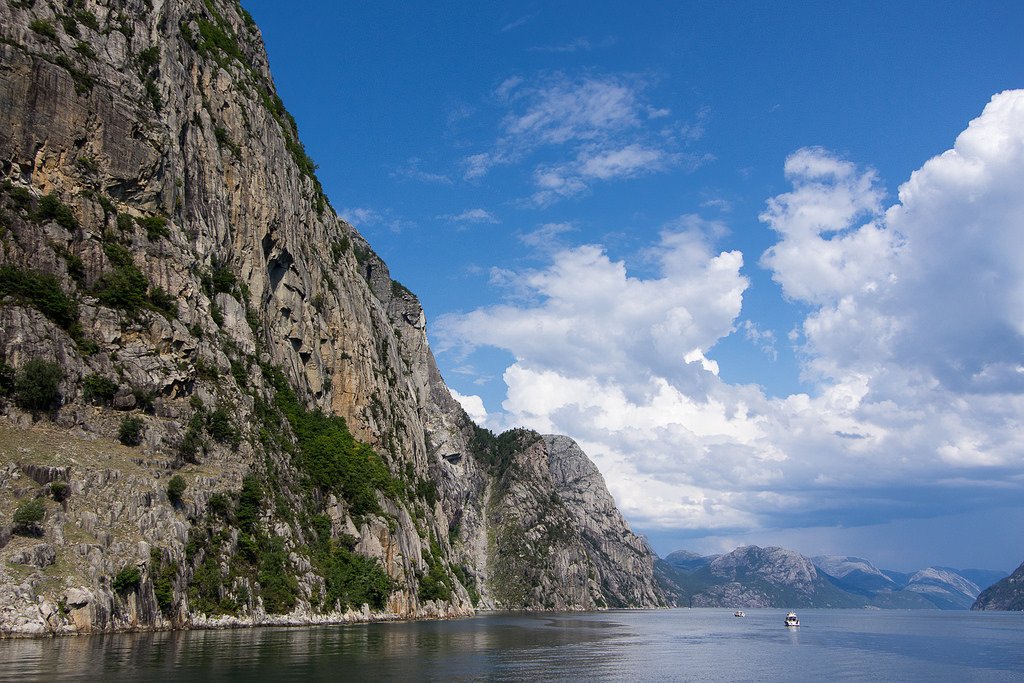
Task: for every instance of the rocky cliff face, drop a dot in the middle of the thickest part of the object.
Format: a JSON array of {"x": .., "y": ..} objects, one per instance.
[
  {"x": 225, "y": 407},
  {"x": 1005, "y": 594}
]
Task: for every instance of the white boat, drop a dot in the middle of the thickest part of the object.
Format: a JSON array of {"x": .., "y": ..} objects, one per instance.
[
  {"x": 739, "y": 613},
  {"x": 792, "y": 620}
]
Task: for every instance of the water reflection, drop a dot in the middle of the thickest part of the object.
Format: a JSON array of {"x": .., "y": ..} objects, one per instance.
[{"x": 613, "y": 646}]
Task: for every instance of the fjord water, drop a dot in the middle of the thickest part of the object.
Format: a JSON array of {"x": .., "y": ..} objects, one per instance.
[{"x": 657, "y": 645}]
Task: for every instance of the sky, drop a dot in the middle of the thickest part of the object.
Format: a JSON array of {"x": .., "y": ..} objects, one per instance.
[{"x": 764, "y": 262}]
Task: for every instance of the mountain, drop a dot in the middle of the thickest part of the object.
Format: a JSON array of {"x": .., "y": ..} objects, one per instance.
[
  {"x": 767, "y": 577},
  {"x": 218, "y": 407},
  {"x": 983, "y": 578},
  {"x": 1006, "y": 594},
  {"x": 854, "y": 574},
  {"x": 944, "y": 588},
  {"x": 775, "y": 577},
  {"x": 686, "y": 561}
]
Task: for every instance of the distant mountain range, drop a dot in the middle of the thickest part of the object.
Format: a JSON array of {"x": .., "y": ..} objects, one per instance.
[{"x": 751, "y": 576}]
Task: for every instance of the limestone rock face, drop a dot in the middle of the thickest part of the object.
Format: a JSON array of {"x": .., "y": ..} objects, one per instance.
[
  {"x": 166, "y": 245},
  {"x": 623, "y": 561}
]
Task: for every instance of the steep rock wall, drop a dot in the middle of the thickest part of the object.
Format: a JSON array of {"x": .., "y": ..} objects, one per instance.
[{"x": 167, "y": 246}]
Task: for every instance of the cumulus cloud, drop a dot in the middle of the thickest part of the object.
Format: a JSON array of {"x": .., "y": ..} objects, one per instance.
[
  {"x": 473, "y": 405},
  {"x": 913, "y": 341}
]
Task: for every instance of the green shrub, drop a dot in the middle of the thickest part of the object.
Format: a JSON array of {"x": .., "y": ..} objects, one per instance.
[
  {"x": 43, "y": 28},
  {"x": 163, "y": 301},
  {"x": 28, "y": 516},
  {"x": 127, "y": 580},
  {"x": 88, "y": 18},
  {"x": 155, "y": 227},
  {"x": 214, "y": 37},
  {"x": 7, "y": 376},
  {"x": 176, "y": 489},
  {"x": 148, "y": 59},
  {"x": 70, "y": 26},
  {"x": 21, "y": 198},
  {"x": 60, "y": 491},
  {"x": 124, "y": 287},
  {"x": 52, "y": 208},
  {"x": 85, "y": 50},
  {"x": 125, "y": 222},
  {"x": 163, "y": 581},
  {"x": 250, "y": 502},
  {"x": 131, "y": 430},
  {"x": 37, "y": 385},
  {"x": 220, "y": 426},
  {"x": 278, "y": 585},
  {"x": 352, "y": 580},
  {"x": 222, "y": 279},
  {"x": 98, "y": 388},
  {"x": 42, "y": 292}
]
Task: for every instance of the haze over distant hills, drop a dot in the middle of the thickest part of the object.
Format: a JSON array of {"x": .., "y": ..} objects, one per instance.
[{"x": 751, "y": 576}]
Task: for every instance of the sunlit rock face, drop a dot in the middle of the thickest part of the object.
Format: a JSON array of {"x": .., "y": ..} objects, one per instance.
[{"x": 167, "y": 247}]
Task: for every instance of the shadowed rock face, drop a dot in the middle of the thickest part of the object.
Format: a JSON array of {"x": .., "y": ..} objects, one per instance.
[
  {"x": 166, "y": 244},
  {"x": 1006, "y": 594}
]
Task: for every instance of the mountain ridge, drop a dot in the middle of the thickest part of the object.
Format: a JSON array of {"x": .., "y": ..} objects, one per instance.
[{"x": 751, "y": 576}]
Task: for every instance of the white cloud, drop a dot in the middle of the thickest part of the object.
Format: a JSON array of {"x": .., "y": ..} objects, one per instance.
[
  {"x": 590, "y": 128},
  {"x": 548, "y": 236},
  {"x": 625, "y": 162},
  {"x": 473, "y": 405},
  {"x": 561, "y": 110},
  {"x": 914, "y": 342},
  {"x": 577, "y": 45},
  {"x": 363, "y": 217},
  {"x": 412, "y": 171},
  {"x": 472, "y": 216}
]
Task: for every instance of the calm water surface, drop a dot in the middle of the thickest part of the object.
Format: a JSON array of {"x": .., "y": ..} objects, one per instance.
[{"x": 659, "y": 645}]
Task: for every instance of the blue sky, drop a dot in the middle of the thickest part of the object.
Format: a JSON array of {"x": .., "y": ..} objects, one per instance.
[{"x": 750, "y": 255}]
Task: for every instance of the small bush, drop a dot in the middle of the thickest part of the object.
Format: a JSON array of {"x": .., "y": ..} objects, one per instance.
[
  {"x": 37, "y": 385},
  {"x": 7, "y": 376},
  {"x": 223, "y": 280},
  {"x": 125, "y": 222},
  {"x": 163, "y": 301},
  {"x": 220, "y": 426},
  {"x": 52, "y": 208},
  {"x": 149, "y": 59},
  {"x": 20, "y": 197},
  {"x": 43, "y": 28},
  {"x": 42, "y": 292},
  {"x": 28, "y": 516},
  {"x": 127, "y": 580},
  {"x": 98, "y": 388},
  {"x": 124, "y": 288},
  {"x": 60, "y": 491},
  {"x": 176, "y": 489},
  {"x": 88, "y": 18},
  {"x": 130, "y": 433},
  {"x": 85, "y": 49},
  {"x": 155, "y": 227}
]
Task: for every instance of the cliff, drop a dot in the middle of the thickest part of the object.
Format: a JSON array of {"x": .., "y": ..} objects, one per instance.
[
  {"x": 218, "y": 407},
  {"x": 1005, "y": 594}
]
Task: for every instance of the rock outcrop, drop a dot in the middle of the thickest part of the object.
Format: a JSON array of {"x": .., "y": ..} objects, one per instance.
[
  {"x": 1005, "y": 594},
  {"x": 219, "y": 403}
]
